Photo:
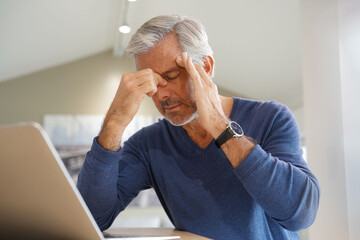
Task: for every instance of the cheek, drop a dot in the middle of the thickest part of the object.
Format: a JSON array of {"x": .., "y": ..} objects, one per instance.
[
  {"x": 185, "y": 86},
  {"x": 189, "y": 88}
]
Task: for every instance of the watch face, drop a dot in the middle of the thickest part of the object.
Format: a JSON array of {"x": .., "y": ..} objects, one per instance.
[{"x": 236, "y": 128}]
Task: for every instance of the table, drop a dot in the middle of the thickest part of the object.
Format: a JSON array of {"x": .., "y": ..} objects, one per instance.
[{"x": 156, "y": 231}]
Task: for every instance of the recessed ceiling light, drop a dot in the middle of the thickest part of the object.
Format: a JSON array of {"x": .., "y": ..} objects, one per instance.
[{"x": 124, "y": 29}]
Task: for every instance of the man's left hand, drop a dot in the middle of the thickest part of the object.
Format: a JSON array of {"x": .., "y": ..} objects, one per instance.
[{"x": 211, "y": 114}]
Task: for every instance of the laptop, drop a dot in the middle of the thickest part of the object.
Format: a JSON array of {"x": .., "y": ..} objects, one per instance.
[{"x": 38, "y": 198}]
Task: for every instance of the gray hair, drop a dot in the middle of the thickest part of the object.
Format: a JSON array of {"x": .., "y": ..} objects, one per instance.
[{"x": 190, "y": 34}]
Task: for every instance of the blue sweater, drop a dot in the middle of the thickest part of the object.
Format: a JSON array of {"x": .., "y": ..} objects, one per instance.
[{"x": 270, "y": 195}]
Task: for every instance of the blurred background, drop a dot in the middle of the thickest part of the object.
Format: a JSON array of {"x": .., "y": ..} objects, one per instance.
[{"x": 61, "y": 63}]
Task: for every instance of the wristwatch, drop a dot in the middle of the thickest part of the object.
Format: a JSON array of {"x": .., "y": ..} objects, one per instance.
[{"x": 232, "y": 130}]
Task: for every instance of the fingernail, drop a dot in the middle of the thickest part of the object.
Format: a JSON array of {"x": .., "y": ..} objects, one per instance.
[
  {"x": 179, "y": 59},
  {"x": 185, "y": 54}
]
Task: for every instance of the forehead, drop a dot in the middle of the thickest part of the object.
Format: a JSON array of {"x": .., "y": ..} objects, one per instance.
[{"x": 161, "y": 57}]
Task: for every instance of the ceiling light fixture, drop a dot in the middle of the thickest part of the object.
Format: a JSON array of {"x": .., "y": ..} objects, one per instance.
[{"x": 124, "y": 28}]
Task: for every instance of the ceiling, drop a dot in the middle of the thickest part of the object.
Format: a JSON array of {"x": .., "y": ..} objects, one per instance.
[{"x": 256, "y": 43}]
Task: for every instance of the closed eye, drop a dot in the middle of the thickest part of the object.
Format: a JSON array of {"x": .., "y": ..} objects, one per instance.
[{"x": 172, "y": 77}]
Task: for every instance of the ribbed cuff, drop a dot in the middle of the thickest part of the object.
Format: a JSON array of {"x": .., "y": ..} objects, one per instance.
[
  {"x": 255, "y": 157},
  {"x": 103, "y": 154}
]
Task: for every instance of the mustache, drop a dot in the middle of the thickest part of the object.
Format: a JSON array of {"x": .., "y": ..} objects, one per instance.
[{"x": 170, "y": 102}]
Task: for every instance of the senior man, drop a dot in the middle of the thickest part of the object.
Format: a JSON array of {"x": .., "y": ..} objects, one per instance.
[{"x": 223, "y": 168}]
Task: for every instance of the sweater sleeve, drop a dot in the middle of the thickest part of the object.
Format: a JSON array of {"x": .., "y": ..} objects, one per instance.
[
  {"x": 278, "y": 178},
  {"x": 108, "y": 180}
]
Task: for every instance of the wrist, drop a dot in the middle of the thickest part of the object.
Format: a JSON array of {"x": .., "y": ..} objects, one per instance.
[
  {"x": 219, "y": 127},
  {"x": 110, "y": 135},
  {"x": 233, "y": 130}
]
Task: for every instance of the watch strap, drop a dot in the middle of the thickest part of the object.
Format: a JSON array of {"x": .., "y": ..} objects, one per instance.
[
  {"x": 224, "y": 136},
  {"x": 233, "y": 130}
]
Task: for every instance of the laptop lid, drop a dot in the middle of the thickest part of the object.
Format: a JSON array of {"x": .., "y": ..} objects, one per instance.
[
  {"x": 37, "y": 195},
  {"x": 38, "y": 199}
]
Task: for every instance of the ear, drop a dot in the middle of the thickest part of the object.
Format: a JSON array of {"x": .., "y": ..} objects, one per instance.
[{"x": 209, "y": 65}]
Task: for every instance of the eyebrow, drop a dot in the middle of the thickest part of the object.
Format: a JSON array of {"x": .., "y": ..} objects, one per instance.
[{"x": 170, "y": 70}]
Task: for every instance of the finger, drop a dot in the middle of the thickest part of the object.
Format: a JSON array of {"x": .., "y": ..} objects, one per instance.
[
  {"x": 179, "y": 61},
  {"x": 190, "y": 68},
  {"x": 145, "y": 71},
  {"x": 148, "y": 88},
  {"x": 184, "y": 58},
  {"x": 159, "y": 80},
  {"x": 141, "y": 78},
  {"x": 203, "y": 74}
]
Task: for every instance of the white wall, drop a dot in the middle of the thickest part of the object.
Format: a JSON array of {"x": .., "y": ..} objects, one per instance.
[
  {"x": 331, "y": 36},
  {"x": 349, "y": 21}
]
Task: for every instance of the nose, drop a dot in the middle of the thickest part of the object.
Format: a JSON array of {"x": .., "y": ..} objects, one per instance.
[{"x": 163, "y": 92}]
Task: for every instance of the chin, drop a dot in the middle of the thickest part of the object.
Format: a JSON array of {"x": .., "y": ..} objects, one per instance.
[{"x": 182, "y": 122}]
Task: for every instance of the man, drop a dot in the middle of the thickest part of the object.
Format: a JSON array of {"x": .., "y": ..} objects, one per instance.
[{"x": 224, "y": 168}]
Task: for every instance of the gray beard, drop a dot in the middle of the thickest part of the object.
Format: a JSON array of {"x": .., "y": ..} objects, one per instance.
[{"x": 192, "y": 117}]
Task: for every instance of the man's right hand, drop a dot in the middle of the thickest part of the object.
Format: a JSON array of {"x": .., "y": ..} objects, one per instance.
[{"x": 130, "y": 93}]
